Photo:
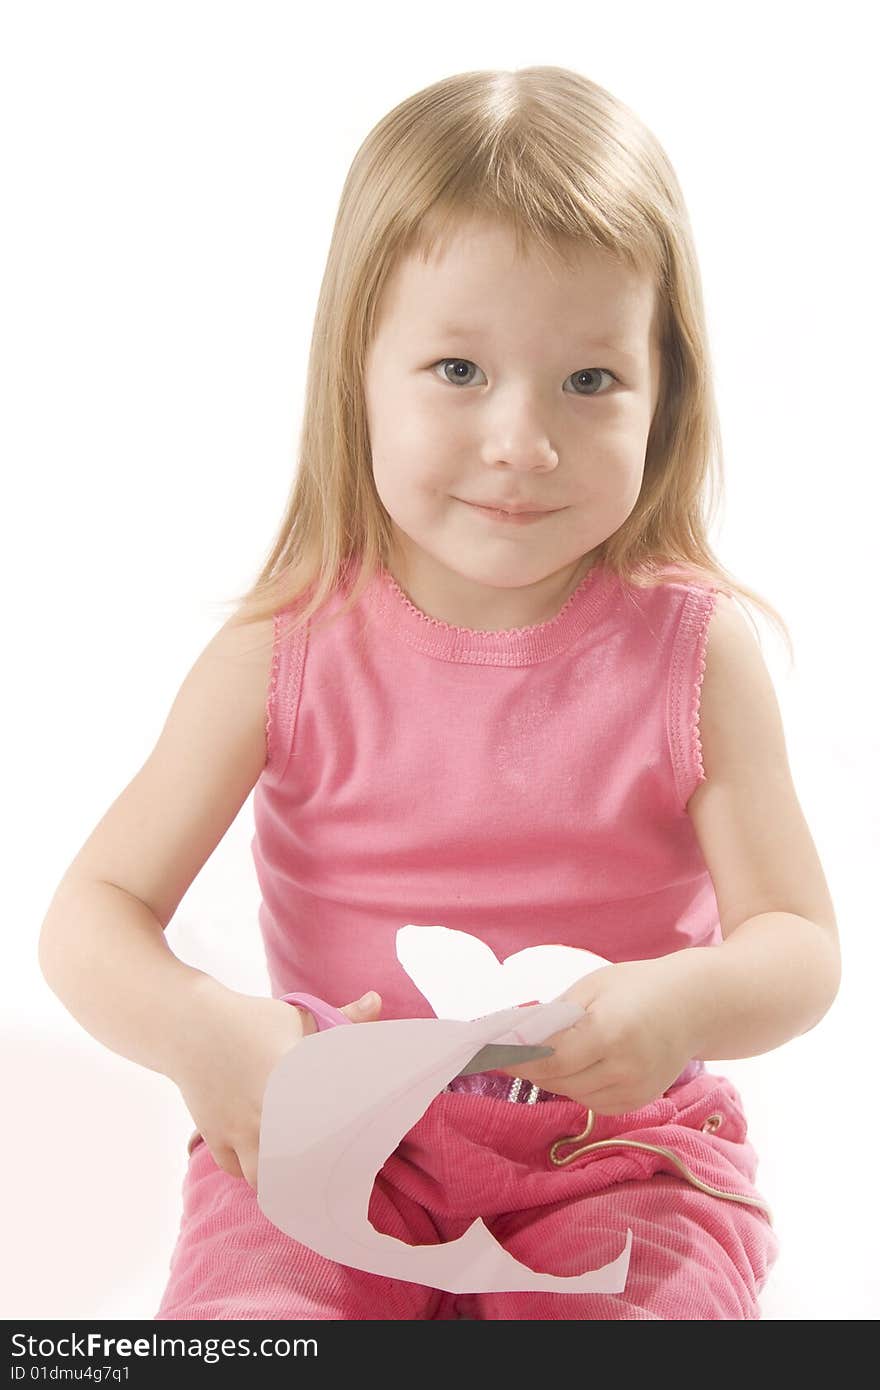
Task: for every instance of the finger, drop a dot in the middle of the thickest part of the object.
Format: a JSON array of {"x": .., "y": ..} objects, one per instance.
[
  {"x": 543, "y": 1072},
  {"x": 570, "y": 1058},
  {"x": 605, "y": 1102},
  {"x": 369, "y": 1006}
]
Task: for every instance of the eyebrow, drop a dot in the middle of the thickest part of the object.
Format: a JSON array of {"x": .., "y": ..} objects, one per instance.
[{"x": 453, "y": 330}]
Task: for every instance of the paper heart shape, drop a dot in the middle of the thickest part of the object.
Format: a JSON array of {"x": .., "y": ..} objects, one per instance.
[
  {"x": 340, "y": 1101},
  {"x": 461, "y": 977}
]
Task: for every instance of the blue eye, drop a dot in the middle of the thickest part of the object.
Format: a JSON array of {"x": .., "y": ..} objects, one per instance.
[
  {"x": 588, "y": 372},
  {"x": 593, "y": 372},
  {"x": 458, "y": 362}
]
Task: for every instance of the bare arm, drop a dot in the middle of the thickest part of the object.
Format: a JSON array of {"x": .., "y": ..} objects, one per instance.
[
  {"x": 104, "y": 954},
  {"x": 102, "y": 945},
  {"x": 777, "y": 971},
  {"x": 102, "y": 948}
]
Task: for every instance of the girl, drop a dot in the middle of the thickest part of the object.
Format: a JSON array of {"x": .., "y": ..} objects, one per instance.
[{"x": 490, "y": 676}]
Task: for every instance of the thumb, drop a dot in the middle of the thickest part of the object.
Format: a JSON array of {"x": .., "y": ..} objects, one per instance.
[{"x": 365, "y": 1009}]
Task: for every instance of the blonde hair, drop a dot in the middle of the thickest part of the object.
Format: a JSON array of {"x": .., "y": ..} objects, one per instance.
[{"x": 565, "y": 165}]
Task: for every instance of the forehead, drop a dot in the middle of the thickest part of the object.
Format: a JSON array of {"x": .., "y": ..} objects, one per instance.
[{"x": 479, "y": 280}]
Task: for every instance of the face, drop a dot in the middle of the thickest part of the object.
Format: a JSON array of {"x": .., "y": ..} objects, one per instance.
[{"x": 510, "y": 382}]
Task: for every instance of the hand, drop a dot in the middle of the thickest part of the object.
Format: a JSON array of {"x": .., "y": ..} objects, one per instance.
[
  {"x": 633, "y": 1042},
  {"x": 237, "y": 1043}
]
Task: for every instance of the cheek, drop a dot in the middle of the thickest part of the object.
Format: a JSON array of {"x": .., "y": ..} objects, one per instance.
[
  {"x": 619, "y": 467},
  {"x": 387, "y": 477},
  {"x": 411, "y": 470},
  {"x": 408, "y": 487}
]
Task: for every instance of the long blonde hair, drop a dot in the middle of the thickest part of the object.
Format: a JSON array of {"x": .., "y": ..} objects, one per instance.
[{"x": 565, "y": 165}]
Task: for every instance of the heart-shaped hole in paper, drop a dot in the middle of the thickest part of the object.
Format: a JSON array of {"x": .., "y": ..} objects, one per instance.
[{"x": 461, "y": 977}]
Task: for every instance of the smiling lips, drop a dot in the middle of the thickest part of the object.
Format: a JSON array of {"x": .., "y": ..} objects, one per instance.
[
  {"x": 515, "y": 517},
  {"x": 512, "y": 508}
]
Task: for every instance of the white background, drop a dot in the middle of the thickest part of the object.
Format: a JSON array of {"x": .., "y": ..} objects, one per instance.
[{"x": 170, "y": 175}]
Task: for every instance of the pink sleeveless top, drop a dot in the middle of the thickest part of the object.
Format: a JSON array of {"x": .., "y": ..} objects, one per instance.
[{"x": 526, "y": 786}]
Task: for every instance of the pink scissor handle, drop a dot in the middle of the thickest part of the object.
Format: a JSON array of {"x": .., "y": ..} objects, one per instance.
[{"x": 324, "y": 1014}]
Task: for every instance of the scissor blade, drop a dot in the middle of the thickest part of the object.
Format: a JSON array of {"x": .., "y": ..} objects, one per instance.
[{"x": 495, "y": 1055}]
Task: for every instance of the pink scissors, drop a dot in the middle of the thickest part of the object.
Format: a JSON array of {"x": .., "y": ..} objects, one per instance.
[{"x": 487, "y": 1059}]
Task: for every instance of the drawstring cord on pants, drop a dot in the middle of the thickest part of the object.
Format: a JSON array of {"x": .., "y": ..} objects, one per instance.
[{"x": 710, "y": 1125}]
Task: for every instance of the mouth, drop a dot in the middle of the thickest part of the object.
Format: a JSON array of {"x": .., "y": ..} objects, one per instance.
[{"x": 498, "y": 514}]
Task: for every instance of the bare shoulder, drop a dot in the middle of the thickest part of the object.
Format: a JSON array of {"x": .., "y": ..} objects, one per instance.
[
  {"x": 232, "y": 673},
  {"x": 738, "y": 704},
  {"x": 246, "y": 646}
]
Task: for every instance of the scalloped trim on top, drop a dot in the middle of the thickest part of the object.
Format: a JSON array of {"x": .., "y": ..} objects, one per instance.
[
  {"x": 492, "y": 632},
  {"x": 271, "y": 715},
  {"x": 702, "y": 643}
]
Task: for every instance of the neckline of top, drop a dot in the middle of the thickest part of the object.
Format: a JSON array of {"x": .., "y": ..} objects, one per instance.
[{"x": 519, "y": 646}]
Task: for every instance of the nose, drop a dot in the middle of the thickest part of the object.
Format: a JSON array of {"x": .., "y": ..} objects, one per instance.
[
  {"x": 522, "y": 458},
  {"x": 519, "y": 440}
]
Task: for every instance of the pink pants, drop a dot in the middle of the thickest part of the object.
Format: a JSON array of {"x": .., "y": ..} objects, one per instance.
[{"x": 696, "y": 1253}]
